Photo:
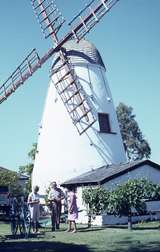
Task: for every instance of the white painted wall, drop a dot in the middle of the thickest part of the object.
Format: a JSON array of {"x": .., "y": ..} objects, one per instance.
[
  {"x": 152, "y": 206},
  {"x": 145, "y": 171},
  {"x": 105, "y": 219},
  {"x": 62, "y": 152}
]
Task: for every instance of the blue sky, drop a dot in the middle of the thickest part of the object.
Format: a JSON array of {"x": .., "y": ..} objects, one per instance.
[{"x": 128, "y": 38}]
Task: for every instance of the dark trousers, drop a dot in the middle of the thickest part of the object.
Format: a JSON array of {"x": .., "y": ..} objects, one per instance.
[{"x": 55, "y": 215}]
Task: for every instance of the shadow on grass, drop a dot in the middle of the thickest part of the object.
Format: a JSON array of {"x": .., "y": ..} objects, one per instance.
[
  {"x": 133, "y": 246},
  {"x": 79, "y": 229},
  {"x": 91, "y": 229},
  {"x": 146, "y": 228},
  {"x": 41, "y": 246},
  {"x": 134, "y": 227},
  {"x": 139, "y": 247},
  {"x": 22, "y": 236},
  {"x": 116, "y": 226}
]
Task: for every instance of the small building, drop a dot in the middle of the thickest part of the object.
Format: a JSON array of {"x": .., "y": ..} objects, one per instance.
[
  {"x": 5, "y": 189},
  {"x": 22, "y": 179},
  {"x": 111, "y": 176}
]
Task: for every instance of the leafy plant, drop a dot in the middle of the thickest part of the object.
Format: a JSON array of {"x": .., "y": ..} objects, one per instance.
[
  {"x": 129, "y": 196},
  {"x": 122, "y": 201},
  {"x": 96, "y": 199}
]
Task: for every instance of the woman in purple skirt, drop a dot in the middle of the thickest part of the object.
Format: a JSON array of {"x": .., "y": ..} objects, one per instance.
[{"x": 72, "y": 210}]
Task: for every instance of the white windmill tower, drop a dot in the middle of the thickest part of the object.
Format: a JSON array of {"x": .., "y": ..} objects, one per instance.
[{"x": 78, "y": 99}]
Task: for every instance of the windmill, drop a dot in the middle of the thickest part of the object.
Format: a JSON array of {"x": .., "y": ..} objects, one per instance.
[{"x": 84, "y": 99}]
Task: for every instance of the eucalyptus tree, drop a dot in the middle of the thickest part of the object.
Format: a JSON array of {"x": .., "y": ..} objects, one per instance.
[{"x": 136, "y": 146}]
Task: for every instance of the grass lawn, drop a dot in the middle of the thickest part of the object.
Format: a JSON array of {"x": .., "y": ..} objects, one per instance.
[{"x": 143, "y": 238}]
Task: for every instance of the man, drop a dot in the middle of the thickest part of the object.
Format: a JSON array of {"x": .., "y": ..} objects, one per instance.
[{"x": 55, "y": 197}]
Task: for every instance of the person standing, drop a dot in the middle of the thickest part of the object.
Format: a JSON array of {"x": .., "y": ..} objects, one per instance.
[
  {"x": 72, "y": 209},
  {"x": 33, "y": 202},
  {"x": 55, "y": 197}
]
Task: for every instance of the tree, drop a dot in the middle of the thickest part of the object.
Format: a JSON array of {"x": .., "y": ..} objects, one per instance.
[
  {"x": 28, "y": 168},
  {"x": 135, "y": 145},
  {"x": 125, "y": 198},
  {"x": 32, "y": 152},
  {"x": 96, "y": 199},
  {"x": 10, "y": 179},
  {"x": 129, "y": 196}
]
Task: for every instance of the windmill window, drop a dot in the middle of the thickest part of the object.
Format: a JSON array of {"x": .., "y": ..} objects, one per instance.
[{"x": 104, "y": 123}]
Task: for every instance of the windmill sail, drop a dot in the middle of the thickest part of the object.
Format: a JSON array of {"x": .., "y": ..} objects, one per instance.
[
  {"x": 68, "y": 86},
  {"x": 49, "y": 17},
  {"x": 78, "y": 31},
  {"x": 28, "y": 66},
  {"x": 73, "y": 95},
  {"x": 82, "y": 23}
]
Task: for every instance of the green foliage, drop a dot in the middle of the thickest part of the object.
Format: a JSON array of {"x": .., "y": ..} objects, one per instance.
[
  {"x": 10, "y": 179},
  {"x": 132, "y": 196},
  {"x": 126, "y": 197},
  {"x": 135, "y": 145},
  {"x": 32, "y": 152},
  {"x": 28, "y": 168},
  {"x": 151, "y": 190},
  {"x": 46, "y": 194},
  {"x": 96, "y": 199},
  {"x": 122, "y": 200}
]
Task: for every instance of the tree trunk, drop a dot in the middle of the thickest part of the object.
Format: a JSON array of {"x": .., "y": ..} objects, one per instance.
[
  {"x": 130, "y": 222},
  {"x": 89, "y": 220}
]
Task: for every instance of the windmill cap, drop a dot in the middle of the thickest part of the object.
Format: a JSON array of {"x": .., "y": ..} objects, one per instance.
[{"x": 82, "y": 52}]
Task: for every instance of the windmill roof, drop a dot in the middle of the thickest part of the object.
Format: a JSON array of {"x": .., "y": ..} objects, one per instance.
[
  {"x": 106, "y": 173},
  {"x": 82, "y": 52}
]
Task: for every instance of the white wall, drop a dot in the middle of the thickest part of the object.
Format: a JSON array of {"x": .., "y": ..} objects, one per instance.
[
  {"x": 145, "y": 171},
  {"x": 61, "y": 152}
]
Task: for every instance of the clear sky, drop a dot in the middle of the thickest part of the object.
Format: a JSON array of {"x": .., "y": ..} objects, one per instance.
[{"x": 128, "y": 39}]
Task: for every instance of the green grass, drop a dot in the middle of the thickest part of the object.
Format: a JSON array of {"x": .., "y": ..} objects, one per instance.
[{"x": 143, "y": 238}]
